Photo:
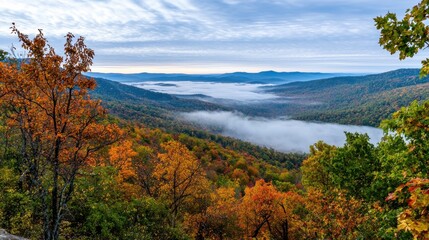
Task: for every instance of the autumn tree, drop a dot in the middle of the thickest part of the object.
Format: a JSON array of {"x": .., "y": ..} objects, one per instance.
[
  {"x": 408, "y": 35},
  {"x": 414, "y": 218},
  {"x": 314, "y": 169},
  {"x": 408, "y": 169},
  {"x": 260, "y": 204},
  {"x": 289, "y": 220},
  {"x": 219, "y": 220},
  {"x": 334, "y": 216},
  {"x": 181, "y": 177},
  {"x": 46, "y": 99},
  {"x": 121, "y": 156},
  {"x": 144, "y": 168}
]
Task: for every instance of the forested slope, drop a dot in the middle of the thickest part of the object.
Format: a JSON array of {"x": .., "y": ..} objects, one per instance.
[
  {"x": 363, "y": 100},
  {"x": 157, "y": 110},
  {"x": 110, "y": 90}
]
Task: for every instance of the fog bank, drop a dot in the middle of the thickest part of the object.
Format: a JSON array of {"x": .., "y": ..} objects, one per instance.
[
  {"x": 280, "y": 134},
  {"x": 231, "y": 91}
]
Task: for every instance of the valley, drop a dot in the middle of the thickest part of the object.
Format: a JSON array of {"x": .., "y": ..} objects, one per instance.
[{"x": 288, "y": 117}]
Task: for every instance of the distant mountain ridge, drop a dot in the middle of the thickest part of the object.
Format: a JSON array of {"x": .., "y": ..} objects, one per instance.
[{"x": 235, "y": 77}]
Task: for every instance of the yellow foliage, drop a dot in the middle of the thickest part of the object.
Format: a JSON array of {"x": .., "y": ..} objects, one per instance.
[
  {"x": 334, "y": 216},
  {"x": 415, "y": 218},
  {"x": 180, "y": 175},
  {"x": 219, "y": 220}
]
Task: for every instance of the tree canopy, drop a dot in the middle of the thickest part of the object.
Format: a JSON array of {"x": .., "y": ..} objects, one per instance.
[
  {"x": 406, "y": 36},
  {"x": 45, "y": 99}
]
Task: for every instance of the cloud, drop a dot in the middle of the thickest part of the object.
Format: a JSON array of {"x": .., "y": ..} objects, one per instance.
[
  {"x": 151, "y": 20},
  {"x": 112, "y": 20},
  {"x": 212, "y": 35},
  {"x": 232, "y": 91},
  {"x": 282, "y": 135},
  {"x": 143, "y": 20}
]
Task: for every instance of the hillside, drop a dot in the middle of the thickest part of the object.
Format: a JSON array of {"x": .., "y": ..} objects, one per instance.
[
  {"x": 355, "y": 84},
  {"x": 110, "y": 90},
  {"x": 157, "y": 110},
  {"x": 363, "y": 100},
  {"x": 152, "y": 108}
]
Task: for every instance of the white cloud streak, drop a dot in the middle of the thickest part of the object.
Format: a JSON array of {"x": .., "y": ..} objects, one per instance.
[
  {"x": 132, "y": 20},
  {"x": 112, "y": 20}
]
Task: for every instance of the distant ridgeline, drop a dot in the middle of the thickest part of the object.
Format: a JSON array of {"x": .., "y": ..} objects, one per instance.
[{"x": 236, "y": 77}]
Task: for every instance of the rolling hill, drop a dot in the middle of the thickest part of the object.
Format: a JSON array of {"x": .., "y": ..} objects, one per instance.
[
  {"x": 110, "y": 90},
  {"x": 154, "y": 109},
  {"x": 362, "y": 100}
]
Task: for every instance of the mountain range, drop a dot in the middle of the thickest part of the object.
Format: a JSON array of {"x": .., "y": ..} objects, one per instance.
[{"x": 236, "y": 77}]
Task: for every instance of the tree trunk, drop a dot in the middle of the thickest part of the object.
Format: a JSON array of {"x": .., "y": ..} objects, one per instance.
[
  {"x": 200, "y": 232},
  {"x": 258, "y": 228},
  {"x": 55, "y": 221},
  {"x": 285, "y": 228}
]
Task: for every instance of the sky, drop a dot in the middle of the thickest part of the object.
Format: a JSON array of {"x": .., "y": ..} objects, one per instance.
[{"x": 214, "y": 36}]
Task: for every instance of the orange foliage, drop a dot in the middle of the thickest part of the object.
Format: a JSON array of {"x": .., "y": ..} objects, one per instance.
[
  {"x": 46, "y": 99},
  {"x": 415, "y": 218},
  {"x": 241, "y": 176},
  {"x": 288, "y": 221},
  {"x": 219, "y": 220},
  {"x": 121, "y": 157},
  {"x": 258, "y": 207},
  {"x": 333, "y": 216}
]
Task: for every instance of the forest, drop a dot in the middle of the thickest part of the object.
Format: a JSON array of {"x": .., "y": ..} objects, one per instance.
[{"x": 69, "y": 169}]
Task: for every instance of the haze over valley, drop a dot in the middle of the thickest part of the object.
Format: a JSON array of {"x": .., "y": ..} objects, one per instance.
[
  {"x": 243, "y": 92},
  {"x": 283, "y": 114}
]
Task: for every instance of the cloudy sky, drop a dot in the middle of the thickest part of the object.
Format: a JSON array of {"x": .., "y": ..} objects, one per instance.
[{"x": 212, "y": 36}]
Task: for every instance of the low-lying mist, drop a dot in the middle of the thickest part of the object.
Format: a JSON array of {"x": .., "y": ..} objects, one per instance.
[
  {"x": 230, "y": 91},
  {"x": 280, "y": 134}
]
